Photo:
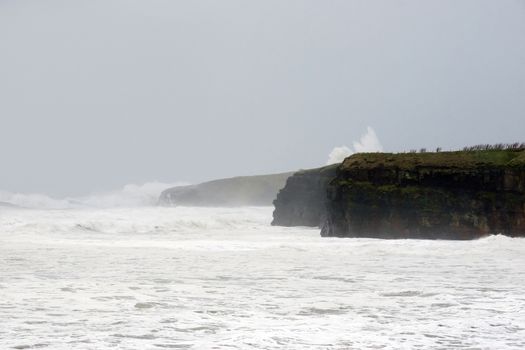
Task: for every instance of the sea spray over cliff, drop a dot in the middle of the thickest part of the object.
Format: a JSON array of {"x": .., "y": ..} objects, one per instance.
[
  {"x": 131, "y": 195},
  {"x": 369, "y": 142}
]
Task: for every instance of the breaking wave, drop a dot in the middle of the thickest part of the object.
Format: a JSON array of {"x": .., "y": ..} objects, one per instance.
[
  {"x": 131, "y": 195},
  {"x": 151, "y": 221},
  {"x": 137, "y": 276},
  {"x": 369, "y": 142}
]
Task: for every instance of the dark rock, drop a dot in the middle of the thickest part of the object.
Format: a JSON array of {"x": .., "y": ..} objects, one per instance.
[
  {"x": 446, "y": 195},
  {"x": 302, "y": 201}
]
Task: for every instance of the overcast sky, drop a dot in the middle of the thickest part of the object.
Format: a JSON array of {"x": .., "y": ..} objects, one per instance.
[{"x": 97, "y": 94}]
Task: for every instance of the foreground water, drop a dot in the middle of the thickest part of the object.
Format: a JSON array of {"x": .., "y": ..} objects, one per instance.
[{"x": 187, "y": 278}]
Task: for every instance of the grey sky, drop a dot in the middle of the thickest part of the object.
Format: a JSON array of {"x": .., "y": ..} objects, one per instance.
[{"x": 97, "y": 94}]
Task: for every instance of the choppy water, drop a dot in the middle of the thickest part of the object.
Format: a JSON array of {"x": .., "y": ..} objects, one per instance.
[{"x": 181, "y": 278}]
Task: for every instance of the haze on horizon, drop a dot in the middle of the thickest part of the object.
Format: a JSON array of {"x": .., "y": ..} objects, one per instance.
[{"x": 98, "y": 94}]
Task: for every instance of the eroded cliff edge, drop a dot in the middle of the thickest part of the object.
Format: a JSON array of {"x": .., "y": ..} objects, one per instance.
[
  {"x": 302, "y": 202},
  {"x": 446, "y": 195}
]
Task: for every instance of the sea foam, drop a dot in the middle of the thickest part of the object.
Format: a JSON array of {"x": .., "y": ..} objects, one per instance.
[
  {"x": 223, "y": 278},
  {"x": 131, "y": 195}
]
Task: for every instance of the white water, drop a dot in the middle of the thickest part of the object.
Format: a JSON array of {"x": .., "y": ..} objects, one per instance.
[
  {"x": 157, "y": 278},
  {"x": 130, "y": 195}
]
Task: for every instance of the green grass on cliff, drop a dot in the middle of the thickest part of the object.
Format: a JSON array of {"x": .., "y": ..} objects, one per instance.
[{"x": 457, "y": 159}]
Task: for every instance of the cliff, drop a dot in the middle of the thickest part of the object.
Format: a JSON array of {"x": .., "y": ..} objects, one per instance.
[
  {"x": 302, "y": 201},
  {"x": 238, "y": 191},
  {"x": 447, "y": 195}
]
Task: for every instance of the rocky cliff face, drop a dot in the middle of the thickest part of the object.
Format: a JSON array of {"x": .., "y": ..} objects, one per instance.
[
  {"x": 448, "y": 195},
  {"x": 258, "y": 190},
  {"x": 302, "y": 201}
]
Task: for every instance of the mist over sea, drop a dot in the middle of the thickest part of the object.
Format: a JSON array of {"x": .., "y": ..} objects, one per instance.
[
  {"x": 149, "y": 277},
  {"x": 368, "y": 118}
]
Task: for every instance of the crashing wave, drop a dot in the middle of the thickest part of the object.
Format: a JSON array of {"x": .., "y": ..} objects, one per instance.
[{"x": 131, "y": 195}]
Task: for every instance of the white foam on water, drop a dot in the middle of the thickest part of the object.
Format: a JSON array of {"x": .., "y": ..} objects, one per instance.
[
  {"x": 130, "y": 195},
  {"x": 210, "y": 278}
]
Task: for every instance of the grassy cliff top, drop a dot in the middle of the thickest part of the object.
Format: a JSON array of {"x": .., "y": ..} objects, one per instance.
[
  {"x": 457, "y": 159},
  {"x": 236, "y": 191},
  {"x": 325, "y": 170}
]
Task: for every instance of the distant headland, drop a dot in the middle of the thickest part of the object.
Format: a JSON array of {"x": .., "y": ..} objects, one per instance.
[
  {"x": 259, "y": 190},
  {"x": 465, "y": 194}
]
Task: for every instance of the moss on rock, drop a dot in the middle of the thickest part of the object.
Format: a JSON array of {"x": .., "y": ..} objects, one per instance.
[{"x": 449, "y": 195}]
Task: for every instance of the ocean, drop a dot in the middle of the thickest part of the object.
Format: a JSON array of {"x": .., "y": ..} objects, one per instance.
[{"x": 223, "y": 278}]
